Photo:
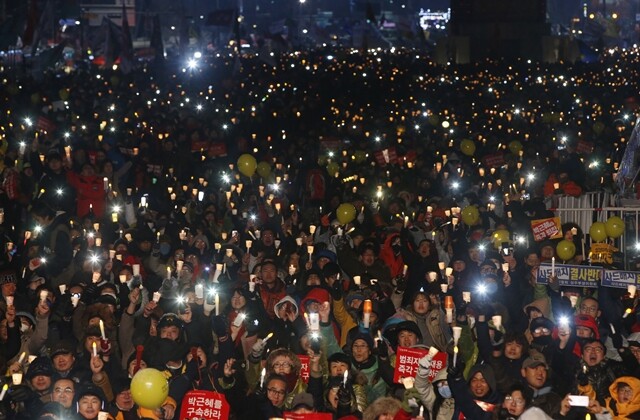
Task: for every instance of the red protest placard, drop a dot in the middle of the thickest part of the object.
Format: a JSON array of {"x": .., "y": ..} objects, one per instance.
[
  {"x": 407, "y": 360},
  {"x": 493, "y": 160},
  {"x": 304, "y": 370},
  {"x": 199, "y": 146},
  {"x": 546, "y": 229},
  {"x": 308, "y": 416},
  {"x": 584, "y": 147},
  {"x": 217, "y": 149},
  {"x": 204, "y": 405}
]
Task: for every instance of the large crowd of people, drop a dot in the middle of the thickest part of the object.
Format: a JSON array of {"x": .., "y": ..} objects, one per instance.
[{"x": 312, "y": 233}]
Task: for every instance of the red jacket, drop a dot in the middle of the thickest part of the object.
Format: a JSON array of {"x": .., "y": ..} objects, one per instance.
[
  {"x": 90, "y": 190},
  {"x": 569, "y": 187}
]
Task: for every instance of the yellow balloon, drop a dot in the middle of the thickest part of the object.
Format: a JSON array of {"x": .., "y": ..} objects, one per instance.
[
  {"x": 598, "y": 231},
  {"x": 470, "y": 215},
  {"x": 566, "y": 250},
  {"x": 264, "y": 169},
  {"x": 614, "y": 227},
  {"x": 468, "y": 147},
  {"x": 247, "y": 165},
  {"x": 499, "y": 236},
  {"x": 149, "y": 388},
  {"x": 515, "y": 147},
  {"x": 345, "y": 213},
  {"x": 333, "y": 168}
]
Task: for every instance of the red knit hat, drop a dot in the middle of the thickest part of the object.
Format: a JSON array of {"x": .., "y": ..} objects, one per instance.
[{"x": 587, "y": 321}]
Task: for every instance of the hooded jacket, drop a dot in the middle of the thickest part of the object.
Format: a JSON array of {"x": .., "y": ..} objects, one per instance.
[
  {"x": 468, "y": 407},
  {"x": 629, "y": 410}
]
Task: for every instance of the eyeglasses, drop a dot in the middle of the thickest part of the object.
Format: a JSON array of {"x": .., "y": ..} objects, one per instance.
[
  {"x": 625, "y": 391},
  {"x": 592, "y": 349},
  {"x": 66, "y": 390},
  {"x": 277, "y": 392},
  {"x": 282, "y": 365},
  {"x": 516, "y": 401},
  {"x": 589, "y": 309}
]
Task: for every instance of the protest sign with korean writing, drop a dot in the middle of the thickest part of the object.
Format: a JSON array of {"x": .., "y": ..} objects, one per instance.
[
  {"x": 407, "y": 361},
  {"x": 204, "y": 405},
  {"x": 307, "y": 416},
  {"x": 304, "y": 370},
  {"x": 548, "y": 228},
  {"x": 620, "y": 279},
  {"x": 571, "y": 275}
]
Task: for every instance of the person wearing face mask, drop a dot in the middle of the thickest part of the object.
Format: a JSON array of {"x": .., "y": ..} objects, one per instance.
[
  {"x": 541, "y": 332},
  {"x": 436, "y": 396}
]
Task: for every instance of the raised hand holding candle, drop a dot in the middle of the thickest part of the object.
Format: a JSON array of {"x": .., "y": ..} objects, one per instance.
[
  {"x": 345, "y": 377},
  {"x": 553, "y": 266}
]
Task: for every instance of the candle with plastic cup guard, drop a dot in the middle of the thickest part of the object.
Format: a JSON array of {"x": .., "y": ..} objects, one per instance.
[
  {"x": 497, "y": 321},
  {"x": 229, "y": 252},
  {"x": 631, "y": 289},
  {"x": 136, "y": 269},
  {"x": 574, "y": 300},
  {"x": 22, "y": 356},
  {"x": 367, "y": 308},
  {"x": 95, "y": 276},
  {"x": 421, "y": 411},
  {"x": 444, "y": 288},
  {"x": 62, "y": 288},
  {"x": 157, "y": 296},
  {"x": 432, "y": 276},
  {"x": 199, "y": 289},
  {"x": 442, "y": 266},
  {"x": 408, "y": 382},
  {"x": 310, "y": 251},
  {"x": 123, "y": 278},
  {"x": 179, "y": 265},
  {"x": 16, "y": 378},
  {"x": 103, "y": 415},
  {"x": 248, "y": 244},
  {"x": 312, "y": 229},
  {"x": 448, "y": 271},
  {"x": 43, "y": 295},
  {"x": 98, "y": 242},
  {"x": 252, "y": 282},
  {"x": 299, "y": 241},
  {"x": 219, "y": 268},
  {"x": 466, "y": 297},
  {"x": 74, "y": 300},
  {"x": 9, "y": 300},
  {"x": 356, "y": 280},
  {"x": 112, "y": 254}
]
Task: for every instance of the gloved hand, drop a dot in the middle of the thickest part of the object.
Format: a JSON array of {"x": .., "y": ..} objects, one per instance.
[
  {"x": 616, "y": 339},
  {"x": 192, "y": 369},
  {"x": 400, "y": 283},
  {"x": 383, "y": 349},
  {"x": 336, "y": 291},
  {"x": 105, "y": 347},
  {"x": 19, "y": 393},
  {"x": 344, "y": 396},
  {"x": 410, "y": 399},
  {"x": 261, "y": 391},
  {"x": 89, "y": 293},
  {"x": 456, "y": 371},
  {"x": 219, "y": 326},
  {"x": 258, "y": 349}
]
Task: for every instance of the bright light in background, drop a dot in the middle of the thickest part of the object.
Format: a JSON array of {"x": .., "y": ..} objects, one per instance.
[{"x": 192, "y": 63}]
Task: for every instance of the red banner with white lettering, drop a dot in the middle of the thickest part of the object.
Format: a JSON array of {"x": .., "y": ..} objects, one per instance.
[
  {"x": 386, "y": 156},
  {"x": 493, "y": 160},
  {"x": 304, "y": 370},
  {"x": 204, "y": 405},
  {"x": 407, "y": 361},
  {"x": 549, "y": 228}
]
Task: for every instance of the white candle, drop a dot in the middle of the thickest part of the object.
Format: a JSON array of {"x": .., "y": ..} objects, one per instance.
[
  {"x": 448, "y": 271},
  {"x": 123, "y": 278},
  {"x": 105, "y": 182},
  {"x": 16, "y": 378},
  {"x": 22, "y": 356},
  {"x": 466, "y": 296},
  {"x": 168, "y": 272},
  {"x": 366, "y": 318},
  {"x": 4, "y": 391},
  {"x": 179, "y": 265},
  {"x": 449, "y": 315},
  {"x": 404, "y": 270},
  {"x": 95, "y": 277},
  {"x": 457, "y": 332},
  {"x": 95, "y": 349},
  {"x": 345, "y": 377},
  {"x": 262, "y": 376},
  {"x": 505, "y": 267},
  {"x": 432, "y": 276},
  {"x": 310, "y": 251},
  {"x": 102, "y": 334},
  {"x": 156, "y": 296},
  {"x": 9, "y": 300},
  {"x": 497, "y": 321},
  {"x": 553, "y": 266},
  {"x": 444, "y": 288},
  {"x": 632, "y": 288},
  {"x": 112, "y": 254},
  {"x": 43, "y": 295},
  {"x": 217, "y": 303},
  {"x": 421, "y": 412},
  {"x": 136, "y": 269},
  {"x": 356, "y": 280},
  {"x": 312, "y": 229},
  {"x": 74, "y": 300},
  {"x": 248, "y": 243}
]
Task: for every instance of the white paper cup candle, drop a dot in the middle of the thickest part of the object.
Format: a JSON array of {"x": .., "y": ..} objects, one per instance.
[
  {"x": 299, "y": 241},
  {"x": 16, "y": 378},
  {"x": 466, "y": 296},
  {"x": 62, "y": 288},
  {"x": 449, "y": 315},
  {"x": 9, "y": 300},
  {"x": 408, "y": 382},
  {"x": 112, "y": 254},
  {"x": 156, "y": 296},
  {"x": 497, "y": 321},
  {"x": 74, "y": 300},
  {"x": 573, "y": 300},
  {"x": 356, "y": 280},
  {"x": 632, "y": 288},
  {"x": 229, "y": 252},
  {"x": 95, "y": 277},
  {"x": 432, "y": 276},
  {"x": 179, "y": 265},
  {"x": 136, "y": 269},
  {"x": 444, "y": 288},
  {"x": 448, "y": 271},
  {"x": 123, "y": 278}
]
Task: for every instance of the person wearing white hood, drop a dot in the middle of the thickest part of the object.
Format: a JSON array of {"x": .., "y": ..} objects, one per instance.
[{"x": 288, "y": 325}]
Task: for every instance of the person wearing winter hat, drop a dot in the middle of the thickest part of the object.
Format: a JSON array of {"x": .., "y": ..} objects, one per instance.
[
  {"x": 39, "y": 376},
  {"x": 90, "y": 401},
  {"x": 288, "y": 327},
  {"x": 476, "y": 398},
  {"x": 365, "y": 361},
  {"x": 431, "y": 321},
  {"x": 517, "y": 404}
]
